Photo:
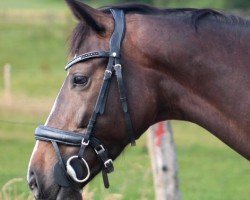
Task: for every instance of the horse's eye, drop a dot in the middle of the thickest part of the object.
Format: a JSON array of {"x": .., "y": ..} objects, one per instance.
[{"x": 80, "y": 80}]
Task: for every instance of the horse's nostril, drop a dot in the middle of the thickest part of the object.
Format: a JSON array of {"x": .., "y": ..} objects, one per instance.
[
  {"x": 33, "y": 185},
  {"x": 32, "y": 180}
]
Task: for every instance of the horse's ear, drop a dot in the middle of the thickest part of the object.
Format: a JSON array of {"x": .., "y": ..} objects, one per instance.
[{"x": 93, "y": 17}]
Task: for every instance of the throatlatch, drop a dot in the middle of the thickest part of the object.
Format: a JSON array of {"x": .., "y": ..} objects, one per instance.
[{"x": 72, "y": 171}]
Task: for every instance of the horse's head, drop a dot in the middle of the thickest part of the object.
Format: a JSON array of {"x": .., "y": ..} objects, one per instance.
[{"x": 76, "y": 101}]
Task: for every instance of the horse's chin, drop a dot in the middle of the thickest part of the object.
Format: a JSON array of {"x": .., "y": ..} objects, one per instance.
[
  {"x": 61, "y": 193},
  {"x": 68, "y": 194}
]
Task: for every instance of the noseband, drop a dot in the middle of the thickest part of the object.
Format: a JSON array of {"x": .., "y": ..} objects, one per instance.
[{"x": 72, "y": 171}]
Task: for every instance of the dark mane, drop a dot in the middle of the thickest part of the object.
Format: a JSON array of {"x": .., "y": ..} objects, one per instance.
[{"x": 195, "y": 15}]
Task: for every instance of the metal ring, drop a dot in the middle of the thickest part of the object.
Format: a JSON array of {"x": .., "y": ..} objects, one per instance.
[{"x": 71, "y": 172}]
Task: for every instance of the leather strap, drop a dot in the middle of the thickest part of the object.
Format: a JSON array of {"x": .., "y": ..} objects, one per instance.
[
  {"x": 124, "y": 103},
  {"x": 115, "y": 45},
  {"x": 118, "y": 34},
  {"x": 49, "y": 134},
  {"x": 60, "y": 174},
  {"x": 105, "y": 179}
]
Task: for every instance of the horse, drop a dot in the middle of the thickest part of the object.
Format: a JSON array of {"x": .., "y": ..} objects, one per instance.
[{"x": 181, "y": 64}]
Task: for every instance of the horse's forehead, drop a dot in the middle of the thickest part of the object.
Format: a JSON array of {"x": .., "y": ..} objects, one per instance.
[{"x": 93, "y": 42}]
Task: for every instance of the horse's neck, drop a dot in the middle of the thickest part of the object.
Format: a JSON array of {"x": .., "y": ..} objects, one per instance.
[{"x": 207, "y": 82}]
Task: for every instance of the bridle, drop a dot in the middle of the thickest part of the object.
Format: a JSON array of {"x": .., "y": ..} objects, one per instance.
[{"x": 69, "y": 172}]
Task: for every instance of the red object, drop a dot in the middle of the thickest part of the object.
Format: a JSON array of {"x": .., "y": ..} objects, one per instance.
[{"x": 159, "y": 133}]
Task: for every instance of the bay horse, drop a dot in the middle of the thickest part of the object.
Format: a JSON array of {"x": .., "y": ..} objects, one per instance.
[{"x": 182, "y": 64}]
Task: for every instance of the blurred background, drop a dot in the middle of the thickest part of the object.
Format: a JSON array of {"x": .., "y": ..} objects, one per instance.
[{"x": 33, "y": 52}]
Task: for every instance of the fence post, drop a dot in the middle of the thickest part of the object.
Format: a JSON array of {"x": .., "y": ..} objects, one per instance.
[
  {"x": 7, "y": 82},
  {"x": 164, "y": 162}
]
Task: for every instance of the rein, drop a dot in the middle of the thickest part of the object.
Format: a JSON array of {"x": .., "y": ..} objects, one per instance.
[{"x": 72, "y": 171}]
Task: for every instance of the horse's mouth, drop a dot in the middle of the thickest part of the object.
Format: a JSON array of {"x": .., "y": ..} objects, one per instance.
[
  {"x": 68, "y": 194},
  {"x": 62, "y": 193}
]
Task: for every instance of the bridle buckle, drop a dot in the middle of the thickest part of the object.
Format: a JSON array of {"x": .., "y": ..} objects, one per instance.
[
  {"x": 119, "y": 66},
  {"x": 107, "y": 74},
  {"x": 85, "y": 143},
  {"x": 108, "y": 162},
  {"x": 99, "y": 151},
  {"x": 109, "y": 166}
]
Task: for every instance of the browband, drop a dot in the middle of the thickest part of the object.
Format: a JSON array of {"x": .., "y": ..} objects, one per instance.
[{"x": 87, "y": 56}]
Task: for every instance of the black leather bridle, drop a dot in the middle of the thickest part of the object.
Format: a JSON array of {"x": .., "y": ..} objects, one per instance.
[{"x": 71, "y": 172}]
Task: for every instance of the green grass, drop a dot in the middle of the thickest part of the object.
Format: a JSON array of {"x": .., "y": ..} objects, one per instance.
[
  {"x": 208, "y": 168},
  {"x": 32, "y": 4},
  {"x": 49, "y": 5},
  {"x": 37, "y": 53}
]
